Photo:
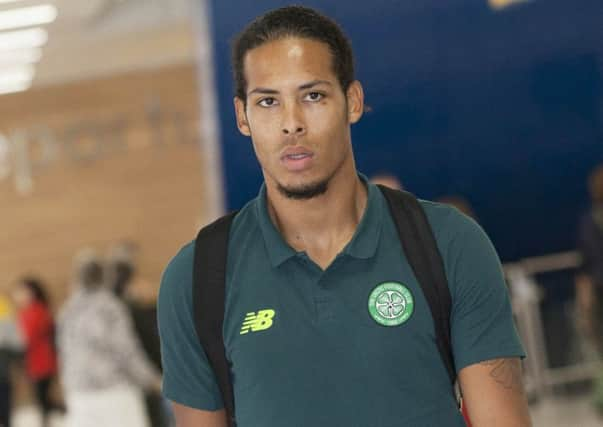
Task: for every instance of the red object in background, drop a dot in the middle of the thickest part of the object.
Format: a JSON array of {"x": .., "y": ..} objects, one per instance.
[
  {"x": 37, "y": 327},
  {"x": 465, "y": 414}
]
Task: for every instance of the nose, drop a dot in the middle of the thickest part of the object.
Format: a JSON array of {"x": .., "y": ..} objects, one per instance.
[{"x": 293, "y": 123}]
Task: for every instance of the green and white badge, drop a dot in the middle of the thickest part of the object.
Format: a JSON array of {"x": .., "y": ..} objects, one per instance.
[{"x": 391, "y": 304}]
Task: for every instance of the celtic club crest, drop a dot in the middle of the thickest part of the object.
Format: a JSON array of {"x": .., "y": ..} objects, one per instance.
[{"x": 391, "y": 304}]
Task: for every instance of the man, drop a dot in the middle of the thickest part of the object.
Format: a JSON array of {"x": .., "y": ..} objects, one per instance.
[{"x": 308, "y": 252}]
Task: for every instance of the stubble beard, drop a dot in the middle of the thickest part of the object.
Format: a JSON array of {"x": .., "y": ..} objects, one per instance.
[
  {"x": 310, "y": 190},
  {"x": 306, "y": 191}
]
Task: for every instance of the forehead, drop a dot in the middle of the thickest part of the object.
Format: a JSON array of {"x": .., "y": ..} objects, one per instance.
[{"x": 289, "y": 60}]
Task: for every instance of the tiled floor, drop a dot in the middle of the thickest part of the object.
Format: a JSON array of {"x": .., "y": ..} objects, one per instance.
[
  {"x": 553, "y": 412},
  {"x": 29, "y": 417}
]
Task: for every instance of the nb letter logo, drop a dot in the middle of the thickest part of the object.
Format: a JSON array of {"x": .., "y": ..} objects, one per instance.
[{"x": 257, "y": 322}]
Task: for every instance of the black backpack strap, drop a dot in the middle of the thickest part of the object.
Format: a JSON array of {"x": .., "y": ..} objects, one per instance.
[
  {"x": 426, "y": 262},
  {"x": 209, "y": 288}
]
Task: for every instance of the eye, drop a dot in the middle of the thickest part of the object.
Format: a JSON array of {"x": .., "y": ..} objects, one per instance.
[
  {"x": 314, "y": 96},
  {"x": 267, "y": 102}
]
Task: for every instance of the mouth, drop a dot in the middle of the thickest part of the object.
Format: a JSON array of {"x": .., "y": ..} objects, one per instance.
[
  {"x": 297, "y": 156},
  {"x": 296, "y": 160}
]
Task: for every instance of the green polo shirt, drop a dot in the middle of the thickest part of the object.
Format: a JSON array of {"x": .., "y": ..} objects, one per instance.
[{"x": 313, "y": 347}]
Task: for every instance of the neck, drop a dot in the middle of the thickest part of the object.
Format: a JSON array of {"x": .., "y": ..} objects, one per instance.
[{"x": 323, "y": 225}]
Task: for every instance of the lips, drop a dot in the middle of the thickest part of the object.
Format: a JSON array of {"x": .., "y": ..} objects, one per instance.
[
  {"x": 297, "y": 156},
  {"x": 297, "y": 159},
  {"x": 296, "y": 152}
]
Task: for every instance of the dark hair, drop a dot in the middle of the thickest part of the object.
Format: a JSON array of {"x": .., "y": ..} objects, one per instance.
[
  {"x": 123, "y": 272},
  {"x": 91, "y": 275},
  {"x": 36, "y": 287},
  {"x": 293, "y": 21}
]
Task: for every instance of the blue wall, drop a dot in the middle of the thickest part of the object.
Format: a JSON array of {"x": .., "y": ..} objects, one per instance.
[{"x": 505, "y": 108}]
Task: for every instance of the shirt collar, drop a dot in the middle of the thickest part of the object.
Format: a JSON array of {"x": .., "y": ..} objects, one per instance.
[
  {"x": 366, "y": 238},
  {"x": 278, "y": 250},
  {"x": 363, "y": 244}
]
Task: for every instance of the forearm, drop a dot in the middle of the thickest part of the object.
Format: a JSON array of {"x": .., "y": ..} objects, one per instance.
[
  {"x": 190, "y": 417},
  {"x": 584, "y": 292},
  {"x": 494, "y": 394}
]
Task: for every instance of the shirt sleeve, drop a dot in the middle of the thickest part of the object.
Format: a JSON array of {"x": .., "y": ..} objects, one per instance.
[
  {"x": 482, "y": 326},
  {"x": 187, "y": 376}
]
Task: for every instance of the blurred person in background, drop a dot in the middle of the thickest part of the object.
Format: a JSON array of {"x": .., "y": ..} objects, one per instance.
[
  {"x": 589, "y": 281},
  {"x": 37, "y": 327},
  {"x": 388, "y": 180},
  {"x": 460, "y": 203},
  {"x": 11, "y": 346},
  {"x": 103, "y": 366},
  {"x": 121, "y": 262},
  {"x": 140, "y": 297}
]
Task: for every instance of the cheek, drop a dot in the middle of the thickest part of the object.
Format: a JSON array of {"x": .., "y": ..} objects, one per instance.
[
  {"x": 263, "y": 126},
  {"x": 265, "y": 144},
  {"x": 328, "y": 130},
  {"x": 325, "y": 119}
]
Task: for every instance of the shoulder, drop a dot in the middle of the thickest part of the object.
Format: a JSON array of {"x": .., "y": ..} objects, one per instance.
[
  {"x": 176, "y": 282},
  {"x": 245, "y": 221},
  {"x": 177, "y": 279},
  {"x": 39, "y": 311},
  {"x": 181, "y": 263},
  {"x": 70, "y": 306},
  {"x": 468, "y": 254},
  {"x": 449, "y": 224}
]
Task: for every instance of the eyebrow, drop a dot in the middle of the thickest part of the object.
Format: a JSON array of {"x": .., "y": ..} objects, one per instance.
[
  {"x": 315, "y": 83},
  {"x": 309, "y": 85}
]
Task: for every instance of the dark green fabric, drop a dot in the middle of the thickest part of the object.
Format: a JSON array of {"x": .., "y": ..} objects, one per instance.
[{"x": 324, "y": 360}]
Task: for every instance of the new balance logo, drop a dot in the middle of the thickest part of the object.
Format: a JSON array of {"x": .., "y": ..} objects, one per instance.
[{"x": 257, "y": 322}]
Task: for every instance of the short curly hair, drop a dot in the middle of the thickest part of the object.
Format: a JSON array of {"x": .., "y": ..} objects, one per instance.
[{"x": 293, "y": 21}]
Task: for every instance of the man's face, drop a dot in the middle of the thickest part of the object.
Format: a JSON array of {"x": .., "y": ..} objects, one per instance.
[{"x": 297, "y": 115}]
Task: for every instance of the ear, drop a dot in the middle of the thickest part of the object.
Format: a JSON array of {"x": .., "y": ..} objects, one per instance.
[
  {"x": 355, "y": 96},
  {"x": 241, "y": 116}
]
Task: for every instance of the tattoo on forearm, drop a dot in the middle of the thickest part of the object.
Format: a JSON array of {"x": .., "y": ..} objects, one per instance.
[{"x": 506, "y": 372}]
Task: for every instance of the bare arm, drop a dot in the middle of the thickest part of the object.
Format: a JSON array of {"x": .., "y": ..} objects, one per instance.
[
  {"x": 190, "y": 417},
  {"x": 584, "y": 292},
  {"x": 584, "y": 301},
  {"x": 494, "y": 395}
]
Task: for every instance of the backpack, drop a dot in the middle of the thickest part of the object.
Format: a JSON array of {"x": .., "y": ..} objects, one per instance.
[{"x": 209, "y": 279}]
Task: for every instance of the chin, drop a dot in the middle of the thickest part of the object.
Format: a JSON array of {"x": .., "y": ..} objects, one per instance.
[{"x": 304, "y": 191}]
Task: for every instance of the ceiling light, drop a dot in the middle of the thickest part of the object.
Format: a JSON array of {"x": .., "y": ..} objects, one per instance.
[
  {"x": 23, "y": 39},
  {"x": 20, "y": 56},
  {"x": 27, "y": 16},
  {"x": 14, "y": 75},
  {"x": 14, "y": 87},
  {"x": 16, "y": 79}
]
